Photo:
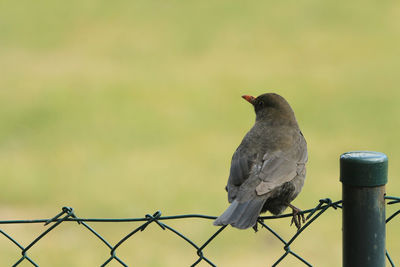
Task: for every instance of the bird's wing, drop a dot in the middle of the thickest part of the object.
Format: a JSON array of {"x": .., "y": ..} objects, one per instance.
[
  {"x": 239, "y": 172},
  {"x": 279, "y": 167}
]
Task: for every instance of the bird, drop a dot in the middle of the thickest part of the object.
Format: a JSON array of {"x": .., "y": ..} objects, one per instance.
[{"x": 268, "y": 168}]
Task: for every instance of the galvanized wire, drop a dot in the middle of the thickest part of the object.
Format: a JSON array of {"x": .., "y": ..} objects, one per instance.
[{"x": 67, "y": 215}]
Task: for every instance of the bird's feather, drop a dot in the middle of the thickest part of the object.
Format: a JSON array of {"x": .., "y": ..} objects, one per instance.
[
  {"x": 241, "y": 215},
  {"x": 239, "y": 172},
  {"x": 279, "y": 167}
]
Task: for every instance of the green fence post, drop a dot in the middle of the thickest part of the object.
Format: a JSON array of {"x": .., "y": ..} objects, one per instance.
[{"x": 363, "y": 175}]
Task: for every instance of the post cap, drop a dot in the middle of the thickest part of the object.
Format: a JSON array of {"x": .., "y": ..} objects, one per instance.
[{"x": 363, "y": 168}]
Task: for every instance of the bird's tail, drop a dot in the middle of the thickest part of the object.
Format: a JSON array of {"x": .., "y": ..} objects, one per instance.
[{"x": 241, "y": 215}]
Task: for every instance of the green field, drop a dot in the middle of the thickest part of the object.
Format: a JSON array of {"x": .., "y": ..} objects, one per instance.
[{"x": 123, "y": 108}]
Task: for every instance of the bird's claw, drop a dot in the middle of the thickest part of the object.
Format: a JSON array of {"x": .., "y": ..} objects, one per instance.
[
  {"x": 298, "y": 217},
  {"x": 255, "y": 227}
]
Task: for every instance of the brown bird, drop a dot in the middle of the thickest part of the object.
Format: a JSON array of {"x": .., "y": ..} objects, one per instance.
[{"x": 268, "y": 168}]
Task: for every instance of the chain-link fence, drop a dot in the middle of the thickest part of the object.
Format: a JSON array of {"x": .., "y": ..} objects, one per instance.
[{"x": 67, "y": 215}]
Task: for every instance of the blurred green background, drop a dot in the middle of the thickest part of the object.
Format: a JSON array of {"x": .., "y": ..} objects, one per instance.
[{"x": 122, "y": 108}]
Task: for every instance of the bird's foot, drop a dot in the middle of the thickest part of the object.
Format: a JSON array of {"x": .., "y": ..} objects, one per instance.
[
  {"x": 298, "y": 217},
  {"x": 255, "y": 227}
]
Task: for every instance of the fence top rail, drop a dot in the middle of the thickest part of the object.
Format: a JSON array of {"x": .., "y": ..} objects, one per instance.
[{"x": 323, "y": 204}]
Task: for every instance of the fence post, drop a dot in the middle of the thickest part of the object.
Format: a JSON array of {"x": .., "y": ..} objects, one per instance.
[{"x": 363, "y": 175}]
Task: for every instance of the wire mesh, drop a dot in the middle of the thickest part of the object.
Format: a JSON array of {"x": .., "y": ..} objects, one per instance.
[{"x": 67, "y": 214}]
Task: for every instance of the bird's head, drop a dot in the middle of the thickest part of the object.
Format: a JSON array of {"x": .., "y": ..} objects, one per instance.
[{"x": 272, "y": 108}]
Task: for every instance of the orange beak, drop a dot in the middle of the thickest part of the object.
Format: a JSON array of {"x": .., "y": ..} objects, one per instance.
[{"x": 249, "y": 98}]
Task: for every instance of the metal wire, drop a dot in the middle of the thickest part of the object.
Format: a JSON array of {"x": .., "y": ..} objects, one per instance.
[{"x": 67, "y": 215}]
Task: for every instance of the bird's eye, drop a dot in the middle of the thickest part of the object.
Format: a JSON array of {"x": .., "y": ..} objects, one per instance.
[{"x": 261, "y": 103}]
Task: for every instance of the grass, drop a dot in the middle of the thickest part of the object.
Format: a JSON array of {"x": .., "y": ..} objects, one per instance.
[{"x": 121, "y": 109}]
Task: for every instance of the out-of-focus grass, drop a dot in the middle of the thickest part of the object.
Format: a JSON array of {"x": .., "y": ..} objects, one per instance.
[{"x": 119, "y": 109}]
